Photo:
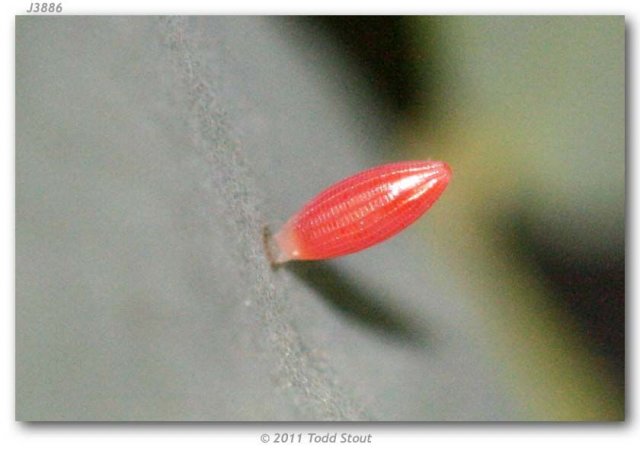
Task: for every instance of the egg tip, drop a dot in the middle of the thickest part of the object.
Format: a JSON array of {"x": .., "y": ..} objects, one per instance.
[{"x": 279, "y": 247}]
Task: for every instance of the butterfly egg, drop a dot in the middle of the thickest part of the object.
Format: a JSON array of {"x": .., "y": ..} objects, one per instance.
[{"x": 360, "y": 211}]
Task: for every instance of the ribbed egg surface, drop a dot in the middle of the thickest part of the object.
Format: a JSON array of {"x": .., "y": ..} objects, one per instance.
[{"x": 362, "y": 210}]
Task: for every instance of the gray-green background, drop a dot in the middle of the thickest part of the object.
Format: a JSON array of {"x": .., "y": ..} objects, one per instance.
[{"x": 150, "y": 153}]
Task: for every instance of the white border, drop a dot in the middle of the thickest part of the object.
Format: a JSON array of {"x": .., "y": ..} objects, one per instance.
[{"x": 207, "y": 439}]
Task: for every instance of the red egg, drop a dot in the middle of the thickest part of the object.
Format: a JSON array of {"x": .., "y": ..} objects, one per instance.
[{"x": 360, "y": 211}]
